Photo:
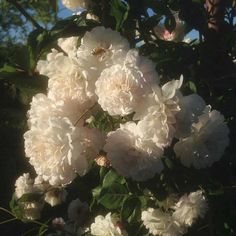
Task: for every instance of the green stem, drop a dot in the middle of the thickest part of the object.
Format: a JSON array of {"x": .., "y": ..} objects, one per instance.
[
  {"x": 5, "y": 210},
  {"x": 7, "y": 221},
  {"x": 39, "y": 223}
]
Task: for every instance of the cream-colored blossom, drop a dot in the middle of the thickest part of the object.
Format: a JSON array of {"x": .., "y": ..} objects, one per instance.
[
  {"x": 207, "y": 142},
  {"x": 42, "y": 107},
  {"x": 156, "y": 129},
  {"x": 190, "y": 207},
  {"x": 145, "y": 66},
  {"x": 68, "y": 79},
  {"x": 161, "y": 224},
  {"x": 157, "y": 113},
  {"x": 55, "y": 196},
  {"x": 99, "y": 49},
  {"x": 132, "y": 156},
  {"x": 24, "y": 184},
  {"x": 69, "y": 45},
  {"x": 163, "y": 101},
  {"x": 120, "y": 89},
  {"x": 59, "y": 150},
  {"x": 191, "y": 107},
  {"x": 107, "y": 226}
]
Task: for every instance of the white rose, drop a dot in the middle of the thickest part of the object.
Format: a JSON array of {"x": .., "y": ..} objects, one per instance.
[
  {"x": 42, "y": 107},
  {"x": 191, "y": 107},
  {"x": 132, "y": 156},
  {"x": 207, "y": 142},
  {"x": 161, "y": 223},
  {"x": 121, "y": 89},
  {"x": 24, "y": 184},
  {"x": 163, "y": 100},
  {"x": 44, "y": 67},
  {"x": 69, "y": 45},
  {"x": 55, "y": 196},
  {"x": 156, "y": 129},
  {"x": 59, "y": 150},
  {"x": 190, "y": 207},
  {"x": 99, "y": 49},
  {"x": 106, "y": 226},
  {"x": 145, "y": 66},
  {"x": 68, "y": 79}
]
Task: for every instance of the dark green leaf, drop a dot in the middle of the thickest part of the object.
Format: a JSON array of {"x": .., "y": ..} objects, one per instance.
[
  {"x": 16, "y": 209},
  {"x": 168, "y": 163},
  {"x": 131, "y": 209},
  {"x": 112, "y": 177},
  {"x": 112, "y": 197},
  {"x": 8, "y": 68},
  {"x": 192, "y": 86},
  {"x": 120, "y": 10},
  {"x": 96, "y": 191},
  {"x": 30, "y": 197}
]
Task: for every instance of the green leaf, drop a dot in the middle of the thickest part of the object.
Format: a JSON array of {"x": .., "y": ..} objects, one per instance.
[
  {"x": 16, "y": 209},
  {"x": 144, "y": 201},
  {"x": 120, "y": 10},
  {"x": 131, "y": 209},
  {"x": 112, "y": 197},
  {"x": 96, "y": 191},
  {"x": 30, "y": 197},
  {"x": 112, "y": 177},
  {"x": 168, "y": 163},
  {"x": 44, "y": 228},
  {"x": 8, "y": 68},
  {"x": 192, "y": 86},
  {"x": 102, "y": 172}
]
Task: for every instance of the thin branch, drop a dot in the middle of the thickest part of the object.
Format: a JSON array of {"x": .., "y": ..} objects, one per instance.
[
  {"x": 5, "y": 210},
  {"x": 215, "y": 10},
  {"x": 25, "y": 14},
  {"x": 86, "y": 111},
  {"x": 7, "y": 221},
  {"x": 58, "y": 48}
]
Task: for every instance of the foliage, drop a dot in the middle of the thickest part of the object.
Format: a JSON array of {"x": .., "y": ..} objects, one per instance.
[
  {"x": 14, "y": 27},
  {"x": 206, "y": 64}
]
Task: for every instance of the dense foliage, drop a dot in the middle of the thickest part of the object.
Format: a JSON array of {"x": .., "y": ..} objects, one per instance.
[{"x": 206, "y": 64}]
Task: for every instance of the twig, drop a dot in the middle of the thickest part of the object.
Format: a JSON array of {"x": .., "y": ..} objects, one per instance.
[
  {"x": 215, "y": 10},
  {"x": 7, "y": 221},
  {"x": 86, "y": 111},
  {"x": 25, "y": 14},
  {"x": 5, "y": 210}
]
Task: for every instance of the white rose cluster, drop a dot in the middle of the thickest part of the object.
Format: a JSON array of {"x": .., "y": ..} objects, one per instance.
[
  {"x": 176, "y": 221},
  {"x": 38, "y": 192},
  {"x": 103, "y": 74}
]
